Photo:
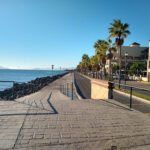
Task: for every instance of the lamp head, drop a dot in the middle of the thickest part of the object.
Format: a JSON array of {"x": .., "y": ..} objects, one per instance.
[{"x": 126, "y": 53}]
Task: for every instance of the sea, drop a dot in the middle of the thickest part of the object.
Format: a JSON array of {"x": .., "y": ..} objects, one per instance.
[{"x": 23, "y": 76}]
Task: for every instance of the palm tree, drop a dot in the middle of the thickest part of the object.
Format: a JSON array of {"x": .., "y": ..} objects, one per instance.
[
  {"x": 94, "y": 61},
  {"x": 101, "y": 47},
  {"x": 120, "y": 31},
  {"x": 79, "y": 66},
  {"x": 110, "y": 55},
  {"x": 85, "y": 62}
]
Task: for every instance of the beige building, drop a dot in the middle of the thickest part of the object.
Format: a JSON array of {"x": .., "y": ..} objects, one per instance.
[{"x": 136, "y": 53}]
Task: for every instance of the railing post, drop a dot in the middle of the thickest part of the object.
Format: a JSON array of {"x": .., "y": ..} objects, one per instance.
[
  {"x": 72, "y": 90},
  {"x": 131, "y": 97},
  {"x": 67, "y": 90},
  {"x": 13, "y": 90}
]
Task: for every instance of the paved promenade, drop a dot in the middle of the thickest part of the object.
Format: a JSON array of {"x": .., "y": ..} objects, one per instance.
[{"x": 48, "y": 120}]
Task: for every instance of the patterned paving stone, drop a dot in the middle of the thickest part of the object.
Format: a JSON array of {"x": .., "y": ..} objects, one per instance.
[{"x": 50, "y": 120}]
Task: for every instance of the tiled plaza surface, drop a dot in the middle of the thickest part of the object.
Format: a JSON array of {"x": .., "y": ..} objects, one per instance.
[{"x": 48, "y": 120}]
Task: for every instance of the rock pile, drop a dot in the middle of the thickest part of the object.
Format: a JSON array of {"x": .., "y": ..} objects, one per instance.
[{"x": 19, "y": 90}]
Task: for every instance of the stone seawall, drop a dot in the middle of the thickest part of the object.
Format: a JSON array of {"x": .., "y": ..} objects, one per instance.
[{"x": 19, "y": 90}]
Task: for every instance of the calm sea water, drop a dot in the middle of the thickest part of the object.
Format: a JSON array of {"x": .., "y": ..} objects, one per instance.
[{"x": 23, "y": 76}]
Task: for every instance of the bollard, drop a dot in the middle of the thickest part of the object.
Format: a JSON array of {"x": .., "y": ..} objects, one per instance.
[
  {"x": 63, "y": 88},
  {"x": 110, "y": 92},
  {"x": 131, "y": 97},
  {"x": 72, "y": 90},
  {"x": 67, "y": 90}
]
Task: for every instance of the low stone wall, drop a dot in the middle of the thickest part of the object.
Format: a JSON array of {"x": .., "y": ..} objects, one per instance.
[
  {"x": 99, "y": 89},
  {"x": 19, "y": 90}
]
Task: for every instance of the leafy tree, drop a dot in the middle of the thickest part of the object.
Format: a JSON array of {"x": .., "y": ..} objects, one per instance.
[
  {"x": 115, "y": 68},
  {"x": 137, "y": 68}
]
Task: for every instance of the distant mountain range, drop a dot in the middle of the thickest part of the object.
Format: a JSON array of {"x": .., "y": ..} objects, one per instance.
[
  {"x": 71, "y": 68},
  {"x": 1, "y": 67}
]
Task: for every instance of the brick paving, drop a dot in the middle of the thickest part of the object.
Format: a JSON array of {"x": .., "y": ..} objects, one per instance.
[{"x": 50, "y": 120}]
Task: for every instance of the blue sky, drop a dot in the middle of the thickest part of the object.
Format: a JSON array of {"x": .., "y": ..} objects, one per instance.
[{"x": 39, "y": 33}]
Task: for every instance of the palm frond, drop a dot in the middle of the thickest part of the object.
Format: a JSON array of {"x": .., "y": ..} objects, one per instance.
[{"x": 118, "y": 30}]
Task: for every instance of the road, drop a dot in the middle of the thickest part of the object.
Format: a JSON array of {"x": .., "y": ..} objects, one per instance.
[
  {"x": 136, "y": 104},
  {"x": 85, "y": 87},
  {"x": 136, "y": 84}
]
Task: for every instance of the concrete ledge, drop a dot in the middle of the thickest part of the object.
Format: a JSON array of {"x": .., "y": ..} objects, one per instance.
[
  {"x": 76, "y": 93},
  {"x": 99, "y": 89}
]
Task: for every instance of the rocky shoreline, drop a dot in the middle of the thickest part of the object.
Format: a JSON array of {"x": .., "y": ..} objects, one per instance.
[{"x": 19, "y": 90}]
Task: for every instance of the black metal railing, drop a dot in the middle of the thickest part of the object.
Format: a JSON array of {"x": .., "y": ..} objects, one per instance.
[
  {"x": 99, "y": 75},
  {"x": 130, "y": 91},
  {"x": 127, "y": 93},
  {"x": 6, "y": 84},
  {"x": 9, "y": 86},
  {"x": 8, "y": 81},
  {"x": 68, "y": 90}
]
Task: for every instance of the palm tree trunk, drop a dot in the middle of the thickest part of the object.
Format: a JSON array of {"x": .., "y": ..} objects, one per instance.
[
  {"x": 110, "y": 68},
  {"x": 119, "y": 63},
  {"x": 104, "y": 71},
  {"x": 120, "y": 67}
]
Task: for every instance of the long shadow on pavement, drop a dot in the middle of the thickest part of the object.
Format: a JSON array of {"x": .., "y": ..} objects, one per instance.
[
  {"x": 48, "y": 100},
  {"x": 122, "y": 107},
  {"x": 27, "y": 114}
]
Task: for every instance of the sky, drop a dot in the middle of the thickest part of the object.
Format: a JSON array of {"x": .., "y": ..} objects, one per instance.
[{"x": 39, "y": 33}]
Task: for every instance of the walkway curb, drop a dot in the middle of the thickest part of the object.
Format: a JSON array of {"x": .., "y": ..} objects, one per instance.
[{"x": 137, "y": 98}]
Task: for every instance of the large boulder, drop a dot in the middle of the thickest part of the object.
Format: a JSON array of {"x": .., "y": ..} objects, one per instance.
[{"x": 19, "y": 90}]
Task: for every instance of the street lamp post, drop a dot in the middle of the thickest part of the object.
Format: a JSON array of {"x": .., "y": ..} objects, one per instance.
[
  {"x": 119, "y": 66},
  {"x": 126, "y": 54},
  {"x": 52, "y": 69}
]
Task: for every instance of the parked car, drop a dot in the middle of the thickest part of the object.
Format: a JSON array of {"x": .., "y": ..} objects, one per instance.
[{"x": 116, "y": 77}]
